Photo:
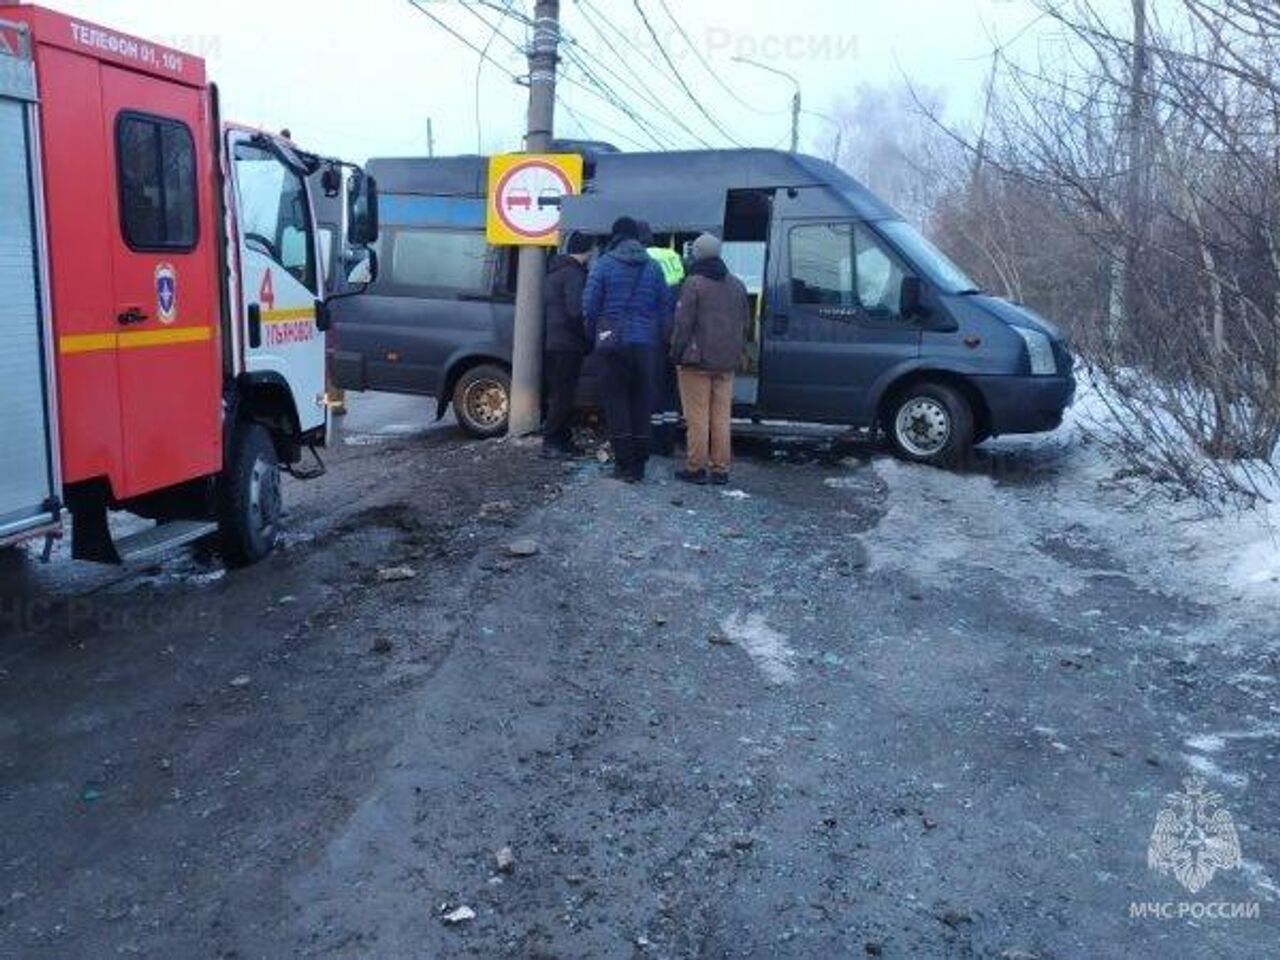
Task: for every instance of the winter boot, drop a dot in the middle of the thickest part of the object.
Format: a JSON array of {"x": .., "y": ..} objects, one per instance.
[
  {"x": 639, "y": 458},
  {"x": 623, "y": 458}
]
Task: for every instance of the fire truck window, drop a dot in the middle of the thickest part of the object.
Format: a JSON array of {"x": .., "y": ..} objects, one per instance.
[
  {"x": 274, "y": 215},
  {"x": 157, "y": 174}
]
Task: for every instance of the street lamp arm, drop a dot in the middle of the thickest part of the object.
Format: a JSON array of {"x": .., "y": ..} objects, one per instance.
[{"x": 764, "y": 66}]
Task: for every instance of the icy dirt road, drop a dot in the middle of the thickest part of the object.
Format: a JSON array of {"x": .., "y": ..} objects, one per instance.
[{"x": 846, "y": 708}]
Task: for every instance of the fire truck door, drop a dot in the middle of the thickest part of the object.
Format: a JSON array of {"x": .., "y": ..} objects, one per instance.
[
  {"x": 279, "y": 275},
  {"x": 165, "y": 306}
]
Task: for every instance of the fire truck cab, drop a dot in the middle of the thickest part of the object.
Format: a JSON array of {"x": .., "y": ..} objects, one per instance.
[{"x": 162, "y": 312}]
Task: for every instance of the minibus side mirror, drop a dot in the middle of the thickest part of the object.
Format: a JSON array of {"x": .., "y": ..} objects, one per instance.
[
  {"x": 912, "y": 307},
  {"x": 362, "y": 212}
]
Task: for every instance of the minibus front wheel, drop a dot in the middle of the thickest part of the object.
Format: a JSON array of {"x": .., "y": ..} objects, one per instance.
[{"x": 930, "y": 423}]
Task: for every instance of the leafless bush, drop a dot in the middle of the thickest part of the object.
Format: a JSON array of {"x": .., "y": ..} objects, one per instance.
[{"x": 1129, "y": 184}]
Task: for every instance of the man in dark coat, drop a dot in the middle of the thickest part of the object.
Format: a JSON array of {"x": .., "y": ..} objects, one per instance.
[
  {"x": 624, "y": 304},
  {"x": 566, "y": 342}
]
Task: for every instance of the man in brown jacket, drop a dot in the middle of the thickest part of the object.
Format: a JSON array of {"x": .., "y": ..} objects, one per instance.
[{"x": 706, "y": 346}]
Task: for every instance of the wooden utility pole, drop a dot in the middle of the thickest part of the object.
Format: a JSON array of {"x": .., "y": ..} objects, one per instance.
[{"x": 526, "y": 353}]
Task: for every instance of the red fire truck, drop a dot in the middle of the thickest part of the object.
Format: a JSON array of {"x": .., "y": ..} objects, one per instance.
[{"x": 161, "y": 305}]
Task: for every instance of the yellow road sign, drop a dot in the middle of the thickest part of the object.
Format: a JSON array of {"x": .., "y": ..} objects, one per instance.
[{"x": 525, "y": 193}]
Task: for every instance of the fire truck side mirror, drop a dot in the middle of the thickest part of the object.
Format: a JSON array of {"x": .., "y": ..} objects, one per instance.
[
  {"x": 331, "y": 181},
  {"x": 364, "y": 270},
  {"x": 362, "y": 218}
]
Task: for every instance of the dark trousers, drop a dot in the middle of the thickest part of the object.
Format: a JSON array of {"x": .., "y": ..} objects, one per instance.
[
  {"x": 627, "y": 389},
  {"x": 666, "y": 407},
  {"x": 562, "y": 370}
]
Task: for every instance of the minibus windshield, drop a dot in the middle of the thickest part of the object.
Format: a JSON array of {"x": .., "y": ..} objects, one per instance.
[{"x": 927, "y": 258}]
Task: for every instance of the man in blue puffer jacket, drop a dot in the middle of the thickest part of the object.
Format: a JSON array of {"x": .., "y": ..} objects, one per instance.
[{"x": 624, "y": 307}]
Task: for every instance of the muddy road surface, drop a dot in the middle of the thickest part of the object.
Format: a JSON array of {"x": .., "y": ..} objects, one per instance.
[{"x": 487, "y": 705}]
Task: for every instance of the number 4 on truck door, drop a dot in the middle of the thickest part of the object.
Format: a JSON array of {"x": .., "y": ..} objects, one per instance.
[{"x": 279, "y": 274}]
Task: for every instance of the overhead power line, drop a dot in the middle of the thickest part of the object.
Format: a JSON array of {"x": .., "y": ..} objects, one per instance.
[
  {"x": 675, "y": 72},
  {"x": 612, "y": 100},
  {"x": 494, "y": 33},
  {"x": 578, "y": 53},
  {"x": 577, "y": 56},
  {"x": 706, "y": 65},
  {"x": 591, "y": 126},
  {"x": 417, "y": 5}
]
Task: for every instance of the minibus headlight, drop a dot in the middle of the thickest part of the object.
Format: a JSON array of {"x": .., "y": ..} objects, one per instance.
[{"x": 1040, "y": 350}]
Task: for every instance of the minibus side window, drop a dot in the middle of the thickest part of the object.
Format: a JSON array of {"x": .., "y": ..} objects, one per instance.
[
  {"x": 845, "y": 265},
  {"x": 439, "y": 259}
]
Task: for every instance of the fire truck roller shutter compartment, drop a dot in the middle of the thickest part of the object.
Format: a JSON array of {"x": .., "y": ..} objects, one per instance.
[{"x": 28, "y": 482}]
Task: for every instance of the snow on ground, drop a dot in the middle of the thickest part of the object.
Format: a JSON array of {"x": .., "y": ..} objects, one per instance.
[
  {"x": 1236, "y": 553},
  {"x": 1054, "y": 511},
  {"x": 767, "y": 647}
]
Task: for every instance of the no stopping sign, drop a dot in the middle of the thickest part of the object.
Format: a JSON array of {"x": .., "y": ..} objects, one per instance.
[{"x": 525, "y": 195}]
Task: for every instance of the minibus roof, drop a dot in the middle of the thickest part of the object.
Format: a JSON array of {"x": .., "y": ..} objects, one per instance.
[{"x": 692, "y": 184}]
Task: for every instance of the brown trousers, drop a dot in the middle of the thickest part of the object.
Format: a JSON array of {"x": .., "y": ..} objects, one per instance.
[{"x": 708, "y": 406}]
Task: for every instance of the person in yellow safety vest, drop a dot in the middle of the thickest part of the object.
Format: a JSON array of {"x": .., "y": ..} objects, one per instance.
[
  {"x": 666, "y": 408},
  {"x": 671, "y": 264}
]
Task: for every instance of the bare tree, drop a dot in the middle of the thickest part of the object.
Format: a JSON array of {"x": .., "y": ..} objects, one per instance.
[{"x": 1129, "y": 179}]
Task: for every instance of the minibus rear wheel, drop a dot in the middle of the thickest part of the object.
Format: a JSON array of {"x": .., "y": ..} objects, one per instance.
[
  {"x": 930, "y": 423},
  {"x": 482, "y": 401}
]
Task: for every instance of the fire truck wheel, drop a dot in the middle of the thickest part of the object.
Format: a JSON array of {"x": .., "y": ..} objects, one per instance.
[
  {"x": 482, "y": 400},
  {"x": 251, "y": 501}
]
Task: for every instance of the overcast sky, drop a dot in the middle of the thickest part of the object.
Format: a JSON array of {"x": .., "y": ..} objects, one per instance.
[{"x": 361, "y": 80}]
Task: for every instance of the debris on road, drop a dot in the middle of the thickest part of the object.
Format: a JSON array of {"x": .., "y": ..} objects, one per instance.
[
  {"x": 505, "y": 860},
  {"x": 496, "y": 509},
  {"x": 240, "y": 682},
  {"x": 458, "y": 915},
  {"x": 719, "y": 640},
  {"x": 396, "y": 574},
  {"x": 381, "y": 645},
  {"x": 523, "y": 548}
]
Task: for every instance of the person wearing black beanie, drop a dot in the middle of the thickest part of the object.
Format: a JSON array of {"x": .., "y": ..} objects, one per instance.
[
  {"x": 624, "y": 228},
  {"x": 565, "y": 342},
  {"x": 625, "y": 304}
]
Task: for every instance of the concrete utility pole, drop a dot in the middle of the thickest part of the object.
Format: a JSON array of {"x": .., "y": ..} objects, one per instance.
[
  {"x": 526, "y": 353},
  {"x": 431, "y": 138},
  {"x": 795, "y": 121}
]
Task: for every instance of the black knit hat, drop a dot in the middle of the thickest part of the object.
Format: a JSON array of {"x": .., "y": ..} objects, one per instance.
[
  {"x": 625, "y": 228},
  {"x": 578, "y": 243}
]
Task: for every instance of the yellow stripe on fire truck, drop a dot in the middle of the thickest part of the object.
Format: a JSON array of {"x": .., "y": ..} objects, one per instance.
[{"x": 73, "y": 343}]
